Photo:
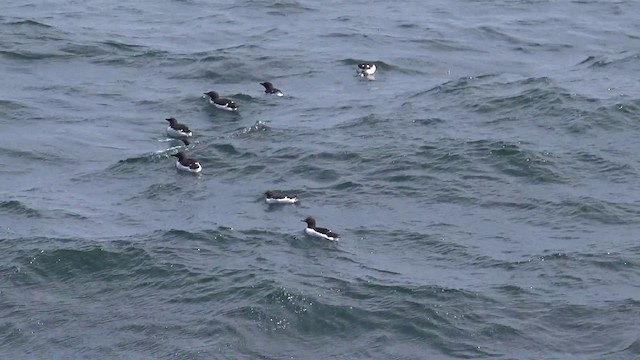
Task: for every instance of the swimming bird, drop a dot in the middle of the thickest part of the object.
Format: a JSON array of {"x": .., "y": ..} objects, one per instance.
[
  {"x": 177, "y": 130},
  {"x": 322, "y": 233},
  {"x": 366, "y": 69},
  {"x": 221, "y": 103},
  {"x": 186, "y": 164},
  {"x": 269, "y": 89},
  {"x": 275, "y": 198}
]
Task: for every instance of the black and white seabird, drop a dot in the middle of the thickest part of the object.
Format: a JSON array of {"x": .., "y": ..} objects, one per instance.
[
  {"x": 269, "y": 89},
  {"x": 366, "y": 69},
  {"x": 272, "y": 197},
  {"x": 322, "y": 233},
  {"x": 177, "y": 130},
  {"x": 186, "y": 164},
  {"x": 221, "y": 103}
]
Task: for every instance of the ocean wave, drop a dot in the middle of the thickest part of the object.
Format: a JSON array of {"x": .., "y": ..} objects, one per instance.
[
  {"x": 34, "y": 156},
  {"x": 443, "y": 44},
  {"x": 535, "y": 98},
  {"x": 250, "y": 131},
  {"x": 353, "y": 307},
  {"x": 129, "y": 167},
  {"x": 16, "y": 110},
  {"x": 457, "y": 86},
  {"x": 580, "y": 209},
  {"x": 623, "y": 59},
  {"x": 350, "y": 186},
  {"x": 29, "y": 23},
  {"x": 125, "y": 165},
  {"x": 361, "y": 123},
  {"x": 589, "y": 210},
  {"x": 111, "y": 52},
  {"x": 159, "y": 192},
  {"x": 85, "y": 50},
  {"x": 278, "y": 8},
  {"x": 316, "y": 173},
  {"x": 617, "y": 263},
  {"x": 454, "y": 156},
  {"x": 222, "y": 72},
  {"x": 495, "y": 33},
  {"x": 32, "y": 30},
  {"x": 611, "y": 169},
  {"x": 230, "y": 152},
  {"x": 514, "y": 159},
  {"x": 76, "y": 264},
  {"x": 531, "y": 98},
  {"x": 124, "y": 47},
  {"x": 560, "y": 318},
  {"x": 32, "y": 55},
  {"x": 348, "y": 157},
  {"x": 17, "y": 207}
]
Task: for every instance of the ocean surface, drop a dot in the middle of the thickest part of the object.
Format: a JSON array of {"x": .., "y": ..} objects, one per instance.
[{"x": 485, "y": 183}]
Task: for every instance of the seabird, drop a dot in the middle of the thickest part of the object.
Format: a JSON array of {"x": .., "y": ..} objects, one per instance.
[
  {"x": 269, "y": 89},
  {"x": 221, "y": 103},
  {"x": 313, "y": 230},
  {"x": 366, "y": 69},
  {"x": 276, "y": 198},
  {"x": 177, "y": 130},
  {"x": 186, "y": 164}
]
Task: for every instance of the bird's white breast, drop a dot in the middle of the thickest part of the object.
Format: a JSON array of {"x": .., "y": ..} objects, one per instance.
[
  {"x": 186, "y": 168},
  {"x": 171, "y": 132},
  {"x": 285, "y": 200},
  {"x": 311, "y": 232}
]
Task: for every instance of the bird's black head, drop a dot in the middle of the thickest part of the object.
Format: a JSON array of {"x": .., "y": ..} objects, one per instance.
[
  {"x": 212, "y": 94},
  {"x": 267, "y": 85},
  {"x": 364, "y": 66},
  {"x": 172, "y": 120},
  {"x": 180, "y": 155},
  {"x": 311, "y": 222},
  {"x": 269, "y": 193}
]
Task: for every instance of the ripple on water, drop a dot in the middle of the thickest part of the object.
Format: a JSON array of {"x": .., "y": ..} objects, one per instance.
[
  {"x": 15, "y": 110},
  {"x": 514, "y": 159},
  {"x": 17, "y": 207},
  {"x": 612, "y": 169},
  {"x": 589, "y": 210},
  {"x": 626, "y": 59},
  {"x": 317, "y": 173}
]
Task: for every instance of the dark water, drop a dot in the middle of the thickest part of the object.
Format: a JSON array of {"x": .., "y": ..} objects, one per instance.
[{"x": 485, "y": 184}]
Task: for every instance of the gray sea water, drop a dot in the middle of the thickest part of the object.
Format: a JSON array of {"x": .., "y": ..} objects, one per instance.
[{"x": 485, "y": 184}]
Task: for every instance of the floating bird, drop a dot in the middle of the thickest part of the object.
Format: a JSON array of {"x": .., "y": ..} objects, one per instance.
[
  {"x": 322, "y": 233},
  {"x": 186, "y": 164},
  {"x": 269, "y": 89},
  {"x": 274, "y": 198},
  {"x": 221, "y": 103},
  {"x": 366, "y": 69},
  {"x": 177, "y": 130}
]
